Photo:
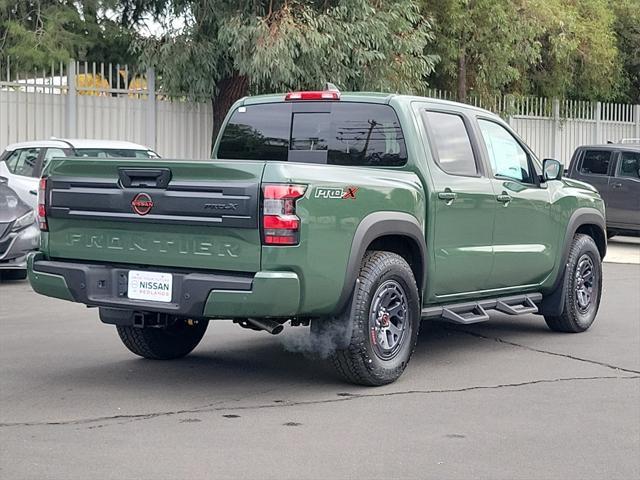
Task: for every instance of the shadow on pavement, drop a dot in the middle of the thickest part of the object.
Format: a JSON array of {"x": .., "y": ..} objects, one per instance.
[{"x": 265, "y": 361}]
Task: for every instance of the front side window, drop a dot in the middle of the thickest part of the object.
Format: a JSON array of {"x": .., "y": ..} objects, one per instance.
[
  {"x": 508, "y": 158},
  {"x": 452, "y": 142},
  {"x": 595, "y": 162},
  {"x": 346, "y": 134},
  {"x": 23, "y": 162},
  {"x": 629, "y": 165}
]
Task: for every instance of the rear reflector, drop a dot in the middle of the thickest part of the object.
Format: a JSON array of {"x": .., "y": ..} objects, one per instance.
[
  {"x": 280, "y": 223},
  {"x": 42, "y": 205},
  {"x": 316, "y": 95}
]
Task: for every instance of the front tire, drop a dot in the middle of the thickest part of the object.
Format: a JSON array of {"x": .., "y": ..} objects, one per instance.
[
  {"x": 383, "y": 322},
  {"x": 174, "y": 341},
  {"x": 582, "y": 288}
]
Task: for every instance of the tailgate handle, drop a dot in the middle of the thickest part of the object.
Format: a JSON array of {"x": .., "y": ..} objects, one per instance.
[{"x": 144, "y": 177}]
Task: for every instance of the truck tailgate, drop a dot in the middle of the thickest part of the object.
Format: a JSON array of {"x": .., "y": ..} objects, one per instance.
[{"x": 192, "y": 214}]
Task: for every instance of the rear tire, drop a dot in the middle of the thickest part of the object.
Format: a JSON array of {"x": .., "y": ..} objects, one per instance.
[
  {"x": 382, "y": 322},
  {"x": 175, "y": 341},
  {"x": 582, "y": 288},
  {"x": 14, "y": 274}
]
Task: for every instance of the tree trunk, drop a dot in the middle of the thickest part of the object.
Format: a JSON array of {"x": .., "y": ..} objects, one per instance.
[
  {"x": 229, "y": 89},
  {"x": 462, "y": 76}
]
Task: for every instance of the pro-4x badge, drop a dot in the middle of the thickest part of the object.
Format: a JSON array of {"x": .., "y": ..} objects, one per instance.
[{"x": 336, "y": 192}]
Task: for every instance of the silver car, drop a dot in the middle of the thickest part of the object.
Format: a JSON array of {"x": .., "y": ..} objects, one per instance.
[
  {"x": 22, "y": 163},
  {"x": 19, "y": 233}
]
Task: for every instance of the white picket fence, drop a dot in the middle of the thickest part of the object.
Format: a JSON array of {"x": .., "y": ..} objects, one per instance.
[{"x": 104, "y": 101}]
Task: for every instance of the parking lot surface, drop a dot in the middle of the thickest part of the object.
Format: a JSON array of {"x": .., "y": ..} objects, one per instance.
[{"x": 505, "y": 399}]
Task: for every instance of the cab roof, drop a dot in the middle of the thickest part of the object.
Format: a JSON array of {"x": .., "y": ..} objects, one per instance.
[{"x": 368, "y": 97}]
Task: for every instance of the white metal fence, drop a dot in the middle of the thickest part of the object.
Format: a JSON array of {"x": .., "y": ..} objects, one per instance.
[
  {"x": 105, "y": 101},
  {"x": 102, "y": 101}
]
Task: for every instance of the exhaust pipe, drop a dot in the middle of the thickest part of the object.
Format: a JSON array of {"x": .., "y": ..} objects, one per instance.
[{"x": 270, "y": 326}]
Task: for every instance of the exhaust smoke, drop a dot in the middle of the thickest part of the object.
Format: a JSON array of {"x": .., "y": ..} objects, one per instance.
[{"x": 325, "y": 337}]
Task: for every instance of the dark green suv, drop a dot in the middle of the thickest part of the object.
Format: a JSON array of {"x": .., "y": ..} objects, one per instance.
[{"x": 359, "y": 214}]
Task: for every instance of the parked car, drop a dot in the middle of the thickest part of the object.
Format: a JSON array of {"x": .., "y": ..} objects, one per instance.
[
  {"x": 359, "y": 214},
  {"x": 19, "y": 233},
  {"x": 23, "y": 163},
  {"x": 614, "y": 170}
]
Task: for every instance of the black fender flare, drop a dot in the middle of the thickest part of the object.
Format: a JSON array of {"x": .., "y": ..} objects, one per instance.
[
  {"x": 553, "y": 304},
  {"x": 373, "y": 226}
]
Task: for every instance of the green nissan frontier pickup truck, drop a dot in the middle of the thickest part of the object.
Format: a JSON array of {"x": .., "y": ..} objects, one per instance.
[{"x": 359, "y": 214}]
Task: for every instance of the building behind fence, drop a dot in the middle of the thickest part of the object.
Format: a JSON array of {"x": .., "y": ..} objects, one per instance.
[{"x": 108, "y": 101}]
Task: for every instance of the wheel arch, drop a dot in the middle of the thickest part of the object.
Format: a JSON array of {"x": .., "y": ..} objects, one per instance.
[
  {"x": 588, "y": 221},
  {"x": 395, "y": 232}
]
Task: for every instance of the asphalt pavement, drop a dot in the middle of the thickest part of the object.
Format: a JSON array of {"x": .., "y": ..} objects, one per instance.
[{"x": 506, "y": 399}]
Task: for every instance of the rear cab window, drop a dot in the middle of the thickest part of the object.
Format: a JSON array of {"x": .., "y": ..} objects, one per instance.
[{"x": 334, "y": 133}]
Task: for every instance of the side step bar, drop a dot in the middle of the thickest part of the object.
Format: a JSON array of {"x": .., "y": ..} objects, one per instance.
[{"x": 474, "y": 312}]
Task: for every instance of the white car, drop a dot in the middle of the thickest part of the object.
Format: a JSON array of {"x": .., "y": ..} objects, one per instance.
[{"x": 22, "y": 163}]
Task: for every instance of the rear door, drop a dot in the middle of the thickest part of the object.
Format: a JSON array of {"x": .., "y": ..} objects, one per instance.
[
  {"x": 463, "y": 207},
  {"x": 197, "y": 215},
  {"x": 623, "y": 197}
]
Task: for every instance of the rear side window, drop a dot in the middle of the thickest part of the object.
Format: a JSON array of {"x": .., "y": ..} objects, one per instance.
[
  {"x": 338, "y": 134},
  {"x": 629, "y": 165},
  {"x": 23, "y": 162},
  {"x": 595, "y": 162},
  {"x": 451, "y": 139}
]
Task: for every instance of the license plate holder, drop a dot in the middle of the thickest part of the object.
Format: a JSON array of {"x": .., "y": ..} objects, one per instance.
[{"x": 150, "y": 286}]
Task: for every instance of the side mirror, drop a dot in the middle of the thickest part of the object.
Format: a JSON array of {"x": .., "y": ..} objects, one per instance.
[{"x": 551, "y": 169}]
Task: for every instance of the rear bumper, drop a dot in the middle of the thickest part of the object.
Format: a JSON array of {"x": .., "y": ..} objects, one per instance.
[{"x": 196, "y": 295}]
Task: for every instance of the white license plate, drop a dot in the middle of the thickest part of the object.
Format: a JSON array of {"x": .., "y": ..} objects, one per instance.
[{"x": 153, "y": 286}]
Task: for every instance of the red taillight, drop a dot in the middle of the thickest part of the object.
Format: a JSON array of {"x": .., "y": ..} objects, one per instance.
[
  {"x": 42, "y": 205},
  {"x": 280, "y": 223},
  {"x": 317, "y": 95}
]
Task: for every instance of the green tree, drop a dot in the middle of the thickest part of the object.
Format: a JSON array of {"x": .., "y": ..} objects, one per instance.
[
  {"x": 35, "y": 33},
  {"x": 544, "y": 47},
  {"x": 627, "y": 30},
  {"x": 484, "y": 44},
  {"x": 229, "y": 49},
  {"x": 578, "y": 53}
]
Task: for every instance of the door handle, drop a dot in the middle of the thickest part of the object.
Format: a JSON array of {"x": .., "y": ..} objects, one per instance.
[
  {"x": 504, "y": 198},
  {"x": 447, "y": 195},
  {"x": 617, "y": 185},
  {"x": 33, "y": 192}
]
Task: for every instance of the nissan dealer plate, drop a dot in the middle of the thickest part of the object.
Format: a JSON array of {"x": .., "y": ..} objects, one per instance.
[{"x": 153, "y": 286}]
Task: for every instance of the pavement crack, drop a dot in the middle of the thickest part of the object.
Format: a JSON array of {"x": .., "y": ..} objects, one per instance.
[
  {"x": 547, "y": 352},
  {"x": 342, "y": 398}
]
